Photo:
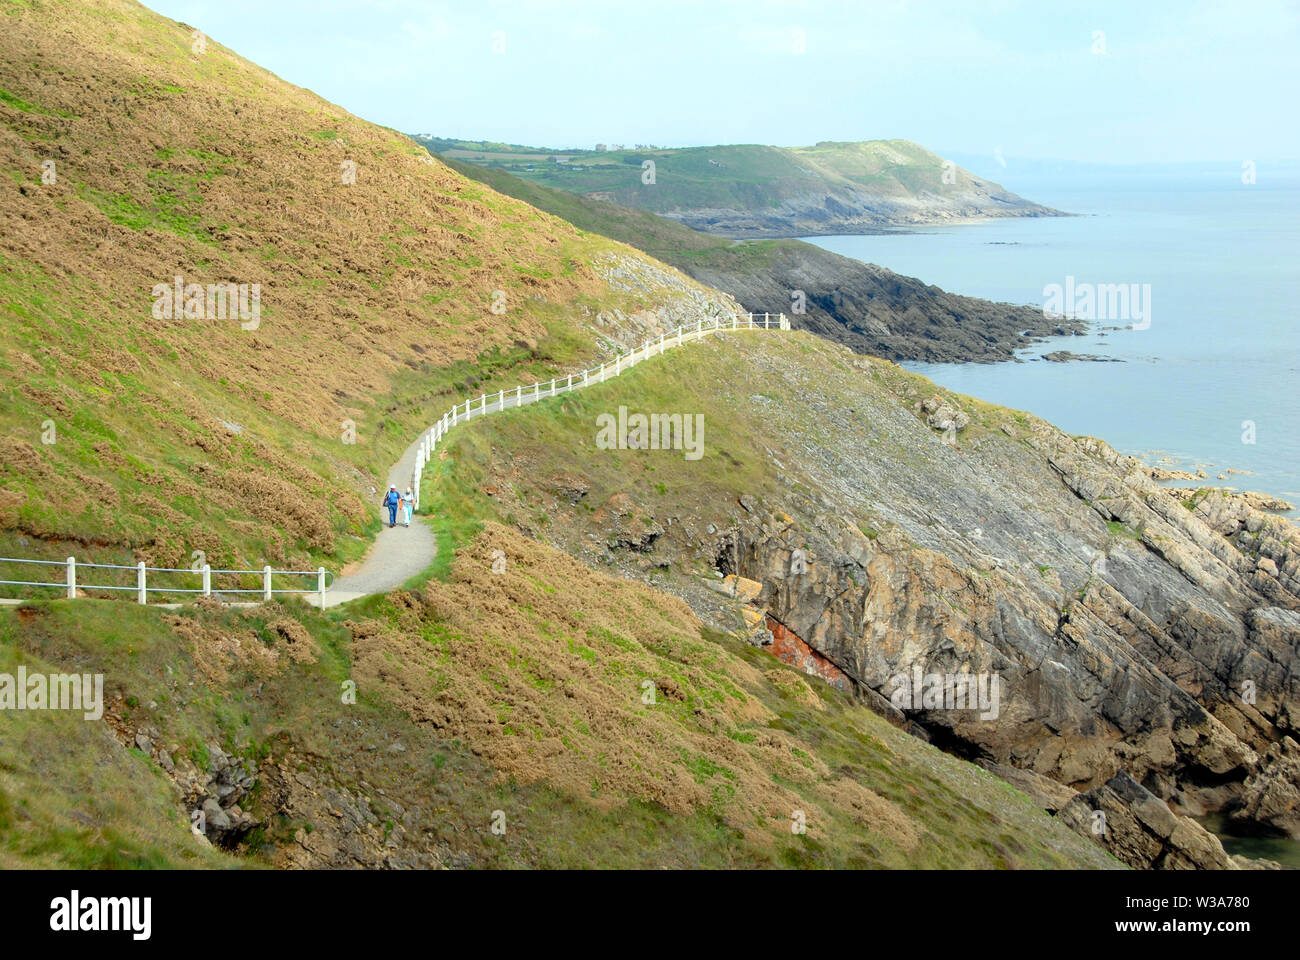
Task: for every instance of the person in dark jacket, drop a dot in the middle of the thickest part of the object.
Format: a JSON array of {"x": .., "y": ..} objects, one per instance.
[{"x": 391, "y": 501}]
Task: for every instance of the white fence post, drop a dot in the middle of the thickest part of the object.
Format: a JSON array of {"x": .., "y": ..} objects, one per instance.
[
  {"x": 207, "y": 579},
  {"x": 519, "y": 395},
  {"x": 569, "y": 385},
  {"x": 501, "y": 400},
  {"x": 618, "y": 364},
  {"x": 72, "y": 577},
  {"x": 482, "y": 404},
  {"x": 141, "y": 594},
  {"x": 266, "y": 582},
  {"x": 320, "y": 585},
  {"x": 679, "y": 335}
]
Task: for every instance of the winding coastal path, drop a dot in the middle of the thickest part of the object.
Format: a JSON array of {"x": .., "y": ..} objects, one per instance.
[
  {"x": 401, "y": 553},
  {"x": 398, "y": 553}
]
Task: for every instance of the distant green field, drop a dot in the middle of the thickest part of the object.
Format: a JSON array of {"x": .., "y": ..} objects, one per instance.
[
  {"x": 742, "y": 176},
  {"x": 753, "y": 190}
]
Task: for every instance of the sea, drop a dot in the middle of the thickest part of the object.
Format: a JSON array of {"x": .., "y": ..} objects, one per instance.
[{"x": 1209, "y": 349}]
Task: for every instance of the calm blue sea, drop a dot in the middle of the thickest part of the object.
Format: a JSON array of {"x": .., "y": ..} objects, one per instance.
[{"x": 1223, "y": 347}]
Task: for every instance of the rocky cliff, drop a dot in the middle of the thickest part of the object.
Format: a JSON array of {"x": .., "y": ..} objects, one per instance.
[
  {"x": 896, "y": 531},
  {"x": 873, "y": 310},
  {"x": 1165, "y": 648},
  {"x": 857, "y": 209}
]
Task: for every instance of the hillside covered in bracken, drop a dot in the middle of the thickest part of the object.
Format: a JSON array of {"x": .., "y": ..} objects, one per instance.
[
  {"x": 186, "y": 433},
  {"x": 230, "y": 312}
]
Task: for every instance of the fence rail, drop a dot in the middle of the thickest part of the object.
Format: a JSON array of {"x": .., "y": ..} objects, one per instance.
[
  {"x": 71, "y": 583},
  {"x": 459, "y": 413},
  {"x": 525, "y": 394}
]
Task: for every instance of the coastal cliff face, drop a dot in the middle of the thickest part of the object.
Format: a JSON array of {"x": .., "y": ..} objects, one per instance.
[
  {"x": 850, "y": 209},
  {"x": 850, "y": 188},
  {"x": 1133, "y": 629},
  {"x": 1170, "y": 655},
  {"x": 873, "y": 310},
  {"x": 754, "y": 190}
]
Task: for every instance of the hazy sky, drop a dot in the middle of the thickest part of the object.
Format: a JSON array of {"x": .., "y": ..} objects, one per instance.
[{"x": 1160, "y": 82}]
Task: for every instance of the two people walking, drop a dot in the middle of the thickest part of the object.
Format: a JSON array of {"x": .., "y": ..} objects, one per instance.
[{"x": 395, "y": 501}]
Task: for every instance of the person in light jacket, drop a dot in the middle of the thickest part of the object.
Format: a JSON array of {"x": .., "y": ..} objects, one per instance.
[{"x": 408, "y": 503}]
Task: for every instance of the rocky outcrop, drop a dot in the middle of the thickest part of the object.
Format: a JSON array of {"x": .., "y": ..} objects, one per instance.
[
  {"x": 1173, "y": 657},
  {"x": 941, "y": 415},
  {"x": 871, "y": 309},
  {"x": 343, "y": 828},
  {"x": 1016, "y": 595},
  {"x": 211, "y": 794},
  {"x": 789, "y": 647},
  {"x": 1270, "y": 800},
  {"x": 1138, "y": 829},
  {"x": 630, "y": 527}
]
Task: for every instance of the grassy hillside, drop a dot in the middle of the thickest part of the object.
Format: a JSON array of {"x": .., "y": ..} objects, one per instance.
[
  {"x": 390, "y": 732},
  {"x": 127, "y": 435},
  {"x": 719, "y": 176},
  {"x": 523, "y": 693},
  {"x": 757, "y": 190}
]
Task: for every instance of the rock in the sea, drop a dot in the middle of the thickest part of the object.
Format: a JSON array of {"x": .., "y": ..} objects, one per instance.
[
  {"x": 1271, "y": 798},
  {"x": 1246, "y": 863},
  {"x": 1140, "y": 830}
]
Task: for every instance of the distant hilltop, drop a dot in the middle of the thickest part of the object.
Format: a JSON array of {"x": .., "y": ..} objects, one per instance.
[{"x": 750, "y": 190}]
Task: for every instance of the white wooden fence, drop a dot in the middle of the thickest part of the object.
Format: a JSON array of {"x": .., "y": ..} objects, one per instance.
[
  {"x": 71, "y": 584},
  {"x": 459, "y": 413},
  {"x": 520, "y": 395}
]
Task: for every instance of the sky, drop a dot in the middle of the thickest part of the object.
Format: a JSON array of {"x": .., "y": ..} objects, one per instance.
[{"x": 1111, "y": 81}]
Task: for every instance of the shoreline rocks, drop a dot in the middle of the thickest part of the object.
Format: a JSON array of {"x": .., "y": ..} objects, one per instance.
[{"x": 1139, "y": 830}]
